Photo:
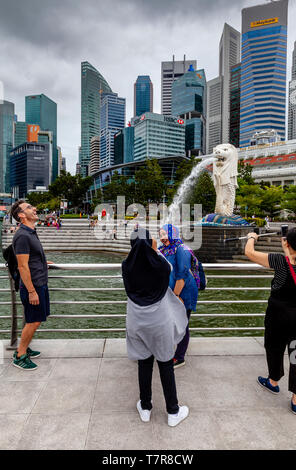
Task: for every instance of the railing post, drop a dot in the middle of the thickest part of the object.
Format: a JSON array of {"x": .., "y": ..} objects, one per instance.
[{"x": 13, "y": 334}]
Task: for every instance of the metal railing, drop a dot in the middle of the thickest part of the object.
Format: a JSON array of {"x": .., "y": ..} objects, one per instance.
[{"x": 14, "y": 317}]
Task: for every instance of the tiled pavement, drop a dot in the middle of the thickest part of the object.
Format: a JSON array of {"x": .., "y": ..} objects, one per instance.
[{"x": 84, "y": 392}]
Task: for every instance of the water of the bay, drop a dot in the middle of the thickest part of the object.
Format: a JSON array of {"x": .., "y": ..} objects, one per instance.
[{"x": 88, "y": 309}]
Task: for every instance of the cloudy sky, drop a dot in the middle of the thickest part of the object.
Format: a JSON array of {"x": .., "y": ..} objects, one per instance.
[{"x": 43, "y": 42}]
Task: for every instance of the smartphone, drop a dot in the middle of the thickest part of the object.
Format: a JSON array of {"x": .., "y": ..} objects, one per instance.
[{"x": 284, "y": 230}]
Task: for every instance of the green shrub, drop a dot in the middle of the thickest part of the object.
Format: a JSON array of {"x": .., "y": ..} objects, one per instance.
[{"x": 259, "y": 222}]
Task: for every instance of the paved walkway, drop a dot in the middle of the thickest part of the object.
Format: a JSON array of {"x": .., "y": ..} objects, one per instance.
[{"x": 84, "y": 392}]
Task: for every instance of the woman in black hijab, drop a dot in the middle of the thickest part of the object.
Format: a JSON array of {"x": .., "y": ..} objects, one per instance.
[
  {"x": 145, "y": 274},
  {"x": 156, "y": 322}
]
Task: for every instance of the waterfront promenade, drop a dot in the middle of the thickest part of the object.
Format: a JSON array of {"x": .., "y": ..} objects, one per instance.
[{"x": 84, "y": 392}]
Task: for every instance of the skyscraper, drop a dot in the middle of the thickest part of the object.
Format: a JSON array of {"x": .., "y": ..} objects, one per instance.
[
  {"x": 189, "y": 104},
  {"x": 234, "y": 110},
  {"x": 119, "y": 147},
  {"x": 170, "y": 71},
  {"x": 158, "y": 136},
  {"x": 94, "y": 165},
  {"x": 292, "y": 99},
  {"x": 218, "y": 98},
  {"x": 124, "y": 145},
  {"x": 29, "y": 164},
  {"x": 64, "y": 164},
  {"x": 229, "y": 55},
  {"x": 20, "y": 133},
  {"x": 143, "y": 95},
  {"x": 214, "y": 113},
  {"x": 112, "y": 120},
  {"x": 6, "y": 143},
  {"x": 263, "y": 69},
  {"x": 93, "y": 84},
  {"x": 42, "y": 111},
  {"x": 128, "y": 144}
]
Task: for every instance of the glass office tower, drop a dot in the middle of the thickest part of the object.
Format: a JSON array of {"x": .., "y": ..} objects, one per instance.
[
  {"x": 112, "y": 121},
  {"x": 93, "y": 84},
  {"x": 29, "y": 165},
  {"x": 189, "y": 103},
  {"x": 20, "y": 133},
  {"x": 234, "y": 121},
  {"x": 158, "y": 136},
  {"x": 263, "y": 69},
  {"x": 42, "y": 111},
  {"x": 292, "y": 99},
  {"x": 171, "y": 71},
  {"x": 6, "y": 143},
  {"x": 124, "y": 146},
  {"x": 143, "y": 95}
]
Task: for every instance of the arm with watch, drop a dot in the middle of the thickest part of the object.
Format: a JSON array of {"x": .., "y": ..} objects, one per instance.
[
  {"x": 23, "y": 267},
  {"x": 253, "y": 255}
]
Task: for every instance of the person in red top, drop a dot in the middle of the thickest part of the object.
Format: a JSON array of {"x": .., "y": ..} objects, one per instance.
[{"x": 280, "y": 318}]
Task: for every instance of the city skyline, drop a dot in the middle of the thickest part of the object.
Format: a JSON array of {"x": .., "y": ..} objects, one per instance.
[{"x": 61, "y": 47}]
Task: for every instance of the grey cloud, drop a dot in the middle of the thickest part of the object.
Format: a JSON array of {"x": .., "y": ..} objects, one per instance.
[{"x": 42, "y": 43}]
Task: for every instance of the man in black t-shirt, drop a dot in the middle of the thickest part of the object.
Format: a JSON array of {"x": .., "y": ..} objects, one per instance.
[{"x": 33, "y": 270}]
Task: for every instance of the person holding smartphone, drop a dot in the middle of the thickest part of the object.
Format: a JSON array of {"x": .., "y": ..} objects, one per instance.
[{"x": 280, "y": 318}]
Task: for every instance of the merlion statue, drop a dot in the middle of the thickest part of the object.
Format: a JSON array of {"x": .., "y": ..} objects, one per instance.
[{"x": 225, "y": 178}]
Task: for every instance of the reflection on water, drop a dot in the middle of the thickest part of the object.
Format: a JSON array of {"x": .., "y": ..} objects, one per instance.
[{"x": 80, "y": 309}]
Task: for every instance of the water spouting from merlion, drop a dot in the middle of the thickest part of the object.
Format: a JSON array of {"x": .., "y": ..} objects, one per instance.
[{"x": 187, "y": 185}]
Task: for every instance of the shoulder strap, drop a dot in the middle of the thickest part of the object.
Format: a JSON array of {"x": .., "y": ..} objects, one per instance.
[{"x": 291, "y": 269}]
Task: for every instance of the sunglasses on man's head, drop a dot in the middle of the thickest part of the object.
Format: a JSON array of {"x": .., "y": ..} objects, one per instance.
[{"x": 28, "y": 207}]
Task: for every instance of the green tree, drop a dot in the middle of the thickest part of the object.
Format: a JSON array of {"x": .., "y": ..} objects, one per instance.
[
  {"x": 149, "y": 183},
  {"x": 72, "y": 188},
  {"x": 271, "y": 200},
  {"x": 119, "y": 186},
  {"x": 203, "y": 192},
  {"x": 264, "y": 184},
  {"x": 53, "y": 204},
  {"x": 38, "y": 200},
  {"x": 289, "y": 199},
  {"x": 245, "y": 174},
  {"x": 184, "y": 170},
  {"x": 249, "y": 198}
]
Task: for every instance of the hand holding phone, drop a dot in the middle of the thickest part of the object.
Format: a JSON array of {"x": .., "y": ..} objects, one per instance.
[{"x": 284, "y": 230}]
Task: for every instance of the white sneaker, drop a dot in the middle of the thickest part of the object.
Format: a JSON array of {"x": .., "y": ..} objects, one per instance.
[
  {"x": 183, "y": 412},
  {"x": 144, "y": 414}
]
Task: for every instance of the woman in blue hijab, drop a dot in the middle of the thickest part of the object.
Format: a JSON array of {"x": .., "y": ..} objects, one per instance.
[{"x": 181, "y": 281}]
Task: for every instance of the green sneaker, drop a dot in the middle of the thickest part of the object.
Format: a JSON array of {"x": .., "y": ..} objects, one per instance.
[
  {"x": 24, "y": 362},
  {"x": 33, "y": 353},
  {"x": 29, "y": 352}
]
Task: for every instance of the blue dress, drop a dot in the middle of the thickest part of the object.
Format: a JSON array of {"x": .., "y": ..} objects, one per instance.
[{"x": 181, "y": 262}]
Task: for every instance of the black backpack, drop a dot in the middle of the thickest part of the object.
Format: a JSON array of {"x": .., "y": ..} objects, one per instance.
[{"x": 11, "y": 263}]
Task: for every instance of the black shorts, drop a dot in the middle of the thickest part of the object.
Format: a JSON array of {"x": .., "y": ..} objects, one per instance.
[{"x": 35, "y": 313}]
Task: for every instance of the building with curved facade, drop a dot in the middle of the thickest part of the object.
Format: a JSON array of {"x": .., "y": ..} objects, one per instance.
[{"x": 93, "y": 84}]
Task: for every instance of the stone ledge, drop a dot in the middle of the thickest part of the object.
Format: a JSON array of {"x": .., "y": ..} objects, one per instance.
[{"x": 116, "y": 347}]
